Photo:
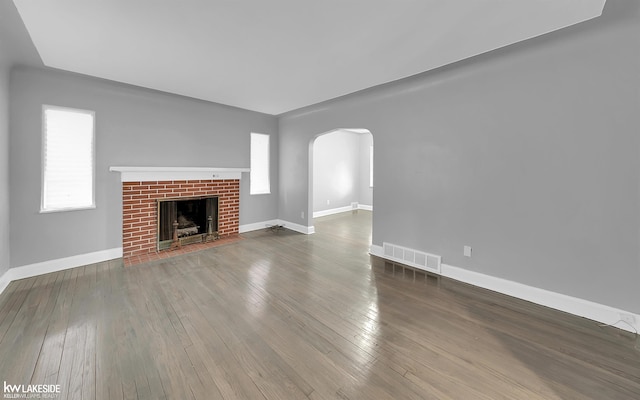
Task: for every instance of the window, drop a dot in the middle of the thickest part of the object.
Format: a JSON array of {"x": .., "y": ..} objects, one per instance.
[
  {"x": 259, "y": 175},
  {"x": 67, "y": 159}
]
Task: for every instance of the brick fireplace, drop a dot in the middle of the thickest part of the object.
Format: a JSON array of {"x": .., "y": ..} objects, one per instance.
[
  {"x": 143, "y": 188},
  {"x": 140, "y": 209}
]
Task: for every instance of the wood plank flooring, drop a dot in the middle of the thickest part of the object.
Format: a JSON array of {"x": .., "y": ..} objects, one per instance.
[{"x": 282, "y": 315}]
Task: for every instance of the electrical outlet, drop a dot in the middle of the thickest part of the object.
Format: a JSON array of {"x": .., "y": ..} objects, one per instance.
[
  {"x": 466, "y": 251},
  {"x": 302, "y": 215},
  {"x": 328, "y": 201}
]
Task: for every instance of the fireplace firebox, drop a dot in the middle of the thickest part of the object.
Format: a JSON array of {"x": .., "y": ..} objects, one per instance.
[{"x": 184, "y": 221}]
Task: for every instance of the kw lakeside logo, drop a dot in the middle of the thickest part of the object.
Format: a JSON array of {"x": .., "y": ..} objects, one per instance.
[{"x": 31, "y": 391}]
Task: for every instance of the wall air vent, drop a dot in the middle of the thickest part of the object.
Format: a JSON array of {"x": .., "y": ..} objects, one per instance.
[{"x": 413, "y": 258}]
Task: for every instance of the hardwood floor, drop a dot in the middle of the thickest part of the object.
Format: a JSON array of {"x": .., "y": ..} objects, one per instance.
[{"x": 282, "y": 315}]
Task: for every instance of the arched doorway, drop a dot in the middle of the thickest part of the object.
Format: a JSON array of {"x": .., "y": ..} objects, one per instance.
[{"x": 341, "y": 174}]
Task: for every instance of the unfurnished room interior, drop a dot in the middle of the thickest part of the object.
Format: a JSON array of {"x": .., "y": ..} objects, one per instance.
[{"x": 320, "y": 200}]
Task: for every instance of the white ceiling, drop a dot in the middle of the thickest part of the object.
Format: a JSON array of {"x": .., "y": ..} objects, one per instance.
[{"x": 278, "y": 55}]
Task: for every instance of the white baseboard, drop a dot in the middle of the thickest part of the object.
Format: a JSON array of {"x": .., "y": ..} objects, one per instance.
[
  {"x": 5, "y": 280},
  {"x": 60, "y": 264},
  {"x": 377, "y": 251},
  {"x": 572, "y": 305},
  {"x": 307, "y": 230},
  {"x": 258, "y": 225},
  {"x": 324, "y": 213}
]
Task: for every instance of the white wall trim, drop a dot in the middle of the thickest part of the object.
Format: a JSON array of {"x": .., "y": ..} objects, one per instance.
[
  {"x": 572, "y": 305},
  {"x": 331, "y": 211},
  {"x": 307, "y": 230},
  {"x": 324, "y": 213},
  {"x": 377, "y": 251},
  {"x": 5, "y": 280},
  {"x": 142, "y": 174},
  {"x": 256, "y": 226},
  {"x": 60, "y": 264}
]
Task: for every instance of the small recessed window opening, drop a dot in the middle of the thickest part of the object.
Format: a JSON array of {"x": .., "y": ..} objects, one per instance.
[
  {"x": 68, "y": 159},
  {"x": 259, "y": 175}
]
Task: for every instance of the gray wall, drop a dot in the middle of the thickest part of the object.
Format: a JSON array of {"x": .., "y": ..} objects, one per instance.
[
  {"x": 15, "y": 48},
  {"x": 365, "y": 195},
  {"x": 134, "y": 126},
  {"x": 529, "y": 154},
  {"x": 4, "y": 164},
  {"x": 338, "y": 170}
]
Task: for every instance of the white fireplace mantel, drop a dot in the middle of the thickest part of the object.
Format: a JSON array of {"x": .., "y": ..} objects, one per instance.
[{"x": 142, "y": 174}]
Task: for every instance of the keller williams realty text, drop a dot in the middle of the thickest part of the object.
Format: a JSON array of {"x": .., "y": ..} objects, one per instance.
[{"x": 33, "y": 391}]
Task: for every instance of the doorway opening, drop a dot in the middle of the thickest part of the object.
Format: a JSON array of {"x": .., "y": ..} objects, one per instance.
[{"x": 341, "y": 173}]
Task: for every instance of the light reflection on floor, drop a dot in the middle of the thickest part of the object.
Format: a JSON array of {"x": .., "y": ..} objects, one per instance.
[{"x": 258, "y": 275}]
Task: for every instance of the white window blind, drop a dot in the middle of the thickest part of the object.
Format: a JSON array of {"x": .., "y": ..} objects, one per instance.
[
  {"x": 259, "y": 176},
  {"x": 68, "y": 159}
]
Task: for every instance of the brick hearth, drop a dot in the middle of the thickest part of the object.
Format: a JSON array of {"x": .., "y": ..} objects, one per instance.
[{"x": 140, "y": 210}]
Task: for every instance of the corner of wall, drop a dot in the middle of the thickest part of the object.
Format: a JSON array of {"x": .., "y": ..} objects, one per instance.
[{"x": 4, "y": 172}]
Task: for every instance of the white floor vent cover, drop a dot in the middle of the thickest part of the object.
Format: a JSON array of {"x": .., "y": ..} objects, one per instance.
[{"x": 412, "y": 258}]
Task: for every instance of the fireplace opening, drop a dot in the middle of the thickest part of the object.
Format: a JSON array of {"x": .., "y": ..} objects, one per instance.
[{"x": 187, "y": 220}]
